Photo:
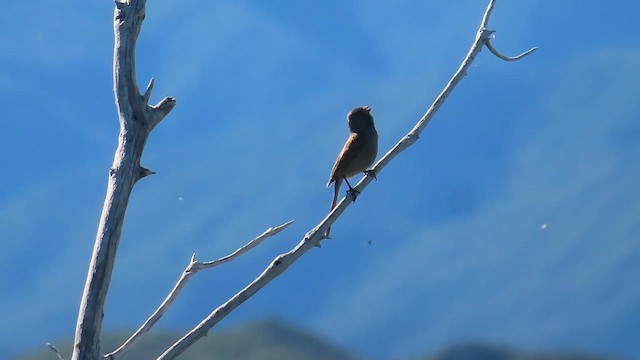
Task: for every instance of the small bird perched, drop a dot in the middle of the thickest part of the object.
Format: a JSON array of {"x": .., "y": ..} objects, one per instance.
[{"x": 358, "y": 152}]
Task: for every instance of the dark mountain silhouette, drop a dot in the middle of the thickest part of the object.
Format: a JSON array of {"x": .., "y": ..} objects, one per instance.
[
  {"x": 484, "y": 351},
  {"x": 274, "y": 340}
]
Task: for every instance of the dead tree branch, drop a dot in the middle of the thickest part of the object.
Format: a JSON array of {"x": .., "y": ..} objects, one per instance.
[
  {"x": 137, "y": 119},
  {"x": 497, "y": 53},
  {"x": 55, "y": 350},
  {"x": 192, "y": 268},
  {"x": 316, "y": 235}
]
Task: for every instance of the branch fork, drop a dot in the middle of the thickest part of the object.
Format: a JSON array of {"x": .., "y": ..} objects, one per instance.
[
  {"x": 192, "y": 268},
  {"x": 316, "y": 235},
  {"x": 137, "y": 119}
]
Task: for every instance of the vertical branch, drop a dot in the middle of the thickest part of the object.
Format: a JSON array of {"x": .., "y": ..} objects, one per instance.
[{"x": 137, "y": 119}]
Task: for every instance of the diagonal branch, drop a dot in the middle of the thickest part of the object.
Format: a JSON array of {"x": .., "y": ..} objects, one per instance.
[
  {"x": 277, "y": 267},
  {"x": 55, "y": 350},
  {"x": 482, "y": 38},
  {"x": 192, "y": 268},
  {"x": 316, "y": 235}
]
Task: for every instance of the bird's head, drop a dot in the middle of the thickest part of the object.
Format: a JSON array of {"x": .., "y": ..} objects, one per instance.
[{"x": 360, "y": 119}]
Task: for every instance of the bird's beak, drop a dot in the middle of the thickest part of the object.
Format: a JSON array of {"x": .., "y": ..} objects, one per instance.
[{"x": 367, "y": 108}]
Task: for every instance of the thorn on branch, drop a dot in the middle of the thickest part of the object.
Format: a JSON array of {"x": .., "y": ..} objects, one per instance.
[
  {"x": 311, "y": 233},
  {"x": 145, "y": 172},
  {"x": 147, "y": 93}
]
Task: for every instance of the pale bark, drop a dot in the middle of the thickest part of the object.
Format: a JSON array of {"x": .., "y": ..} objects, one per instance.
[
  {"x": 137, "y": 119},
  {"x": 315, "y": 236},
  {"x": 192, "y": 268}
]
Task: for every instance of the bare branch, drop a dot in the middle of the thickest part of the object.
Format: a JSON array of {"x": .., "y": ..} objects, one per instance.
[
  {"x": 137, "y": 119},
  {"x": 160, "y": 110},
  {"x": 192, "y": 268},
  {"x": 495, "y": 52},
  {"x": 277, "y": 267},
  {"x": 250, "y": 245},
  {"x": 315, "y": 236},
  {"x": 157, "y": 112},
  {"x": 482, "y": 38},
  {"x": 55, "y": 350}
]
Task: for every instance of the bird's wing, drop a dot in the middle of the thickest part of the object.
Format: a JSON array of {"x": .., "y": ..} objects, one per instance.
[{"x": 350, "y": 151}]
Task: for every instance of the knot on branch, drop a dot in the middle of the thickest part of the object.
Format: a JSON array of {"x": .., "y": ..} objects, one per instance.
[
  {"x": 413, "y": 136},
  {"x": 486, "y": 34}
]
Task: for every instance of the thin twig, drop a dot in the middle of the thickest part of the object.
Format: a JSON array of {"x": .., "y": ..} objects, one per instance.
[
  {"x": 316, "y": 235},
  {"x": 497, "y": 53},
  {"x": 250, "y": 245},
  {"x": 192, "y": 268},
  {"x": 55, "y": 350}
]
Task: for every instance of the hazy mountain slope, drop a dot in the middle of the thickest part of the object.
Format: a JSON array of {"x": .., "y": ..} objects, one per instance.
[
  {"x": 272, "y": 340},
  {"x": 267, "y": 340}
]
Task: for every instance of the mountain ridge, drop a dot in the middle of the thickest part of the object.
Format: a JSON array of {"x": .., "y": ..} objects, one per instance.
[{"x": 272, "y": 339}]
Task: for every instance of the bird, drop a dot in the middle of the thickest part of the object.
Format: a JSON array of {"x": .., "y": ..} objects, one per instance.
[{"x": 358, "y": 153}]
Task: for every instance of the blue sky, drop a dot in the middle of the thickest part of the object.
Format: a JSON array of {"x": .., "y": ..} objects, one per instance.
[{"x": 458, "y": 251}]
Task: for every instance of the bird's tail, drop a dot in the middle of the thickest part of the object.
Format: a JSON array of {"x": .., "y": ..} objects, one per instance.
[{"x": 334, "y": 202}]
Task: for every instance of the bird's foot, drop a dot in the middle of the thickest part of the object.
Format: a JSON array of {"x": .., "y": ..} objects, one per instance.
[
  {"x": 354, "y": 194},
  {"x": 371, "y": 172}
]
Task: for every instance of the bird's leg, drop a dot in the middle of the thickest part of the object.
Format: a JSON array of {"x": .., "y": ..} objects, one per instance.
[
  {"x": 371, "y": 172},
  {"x": 352, "y": 192}
]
